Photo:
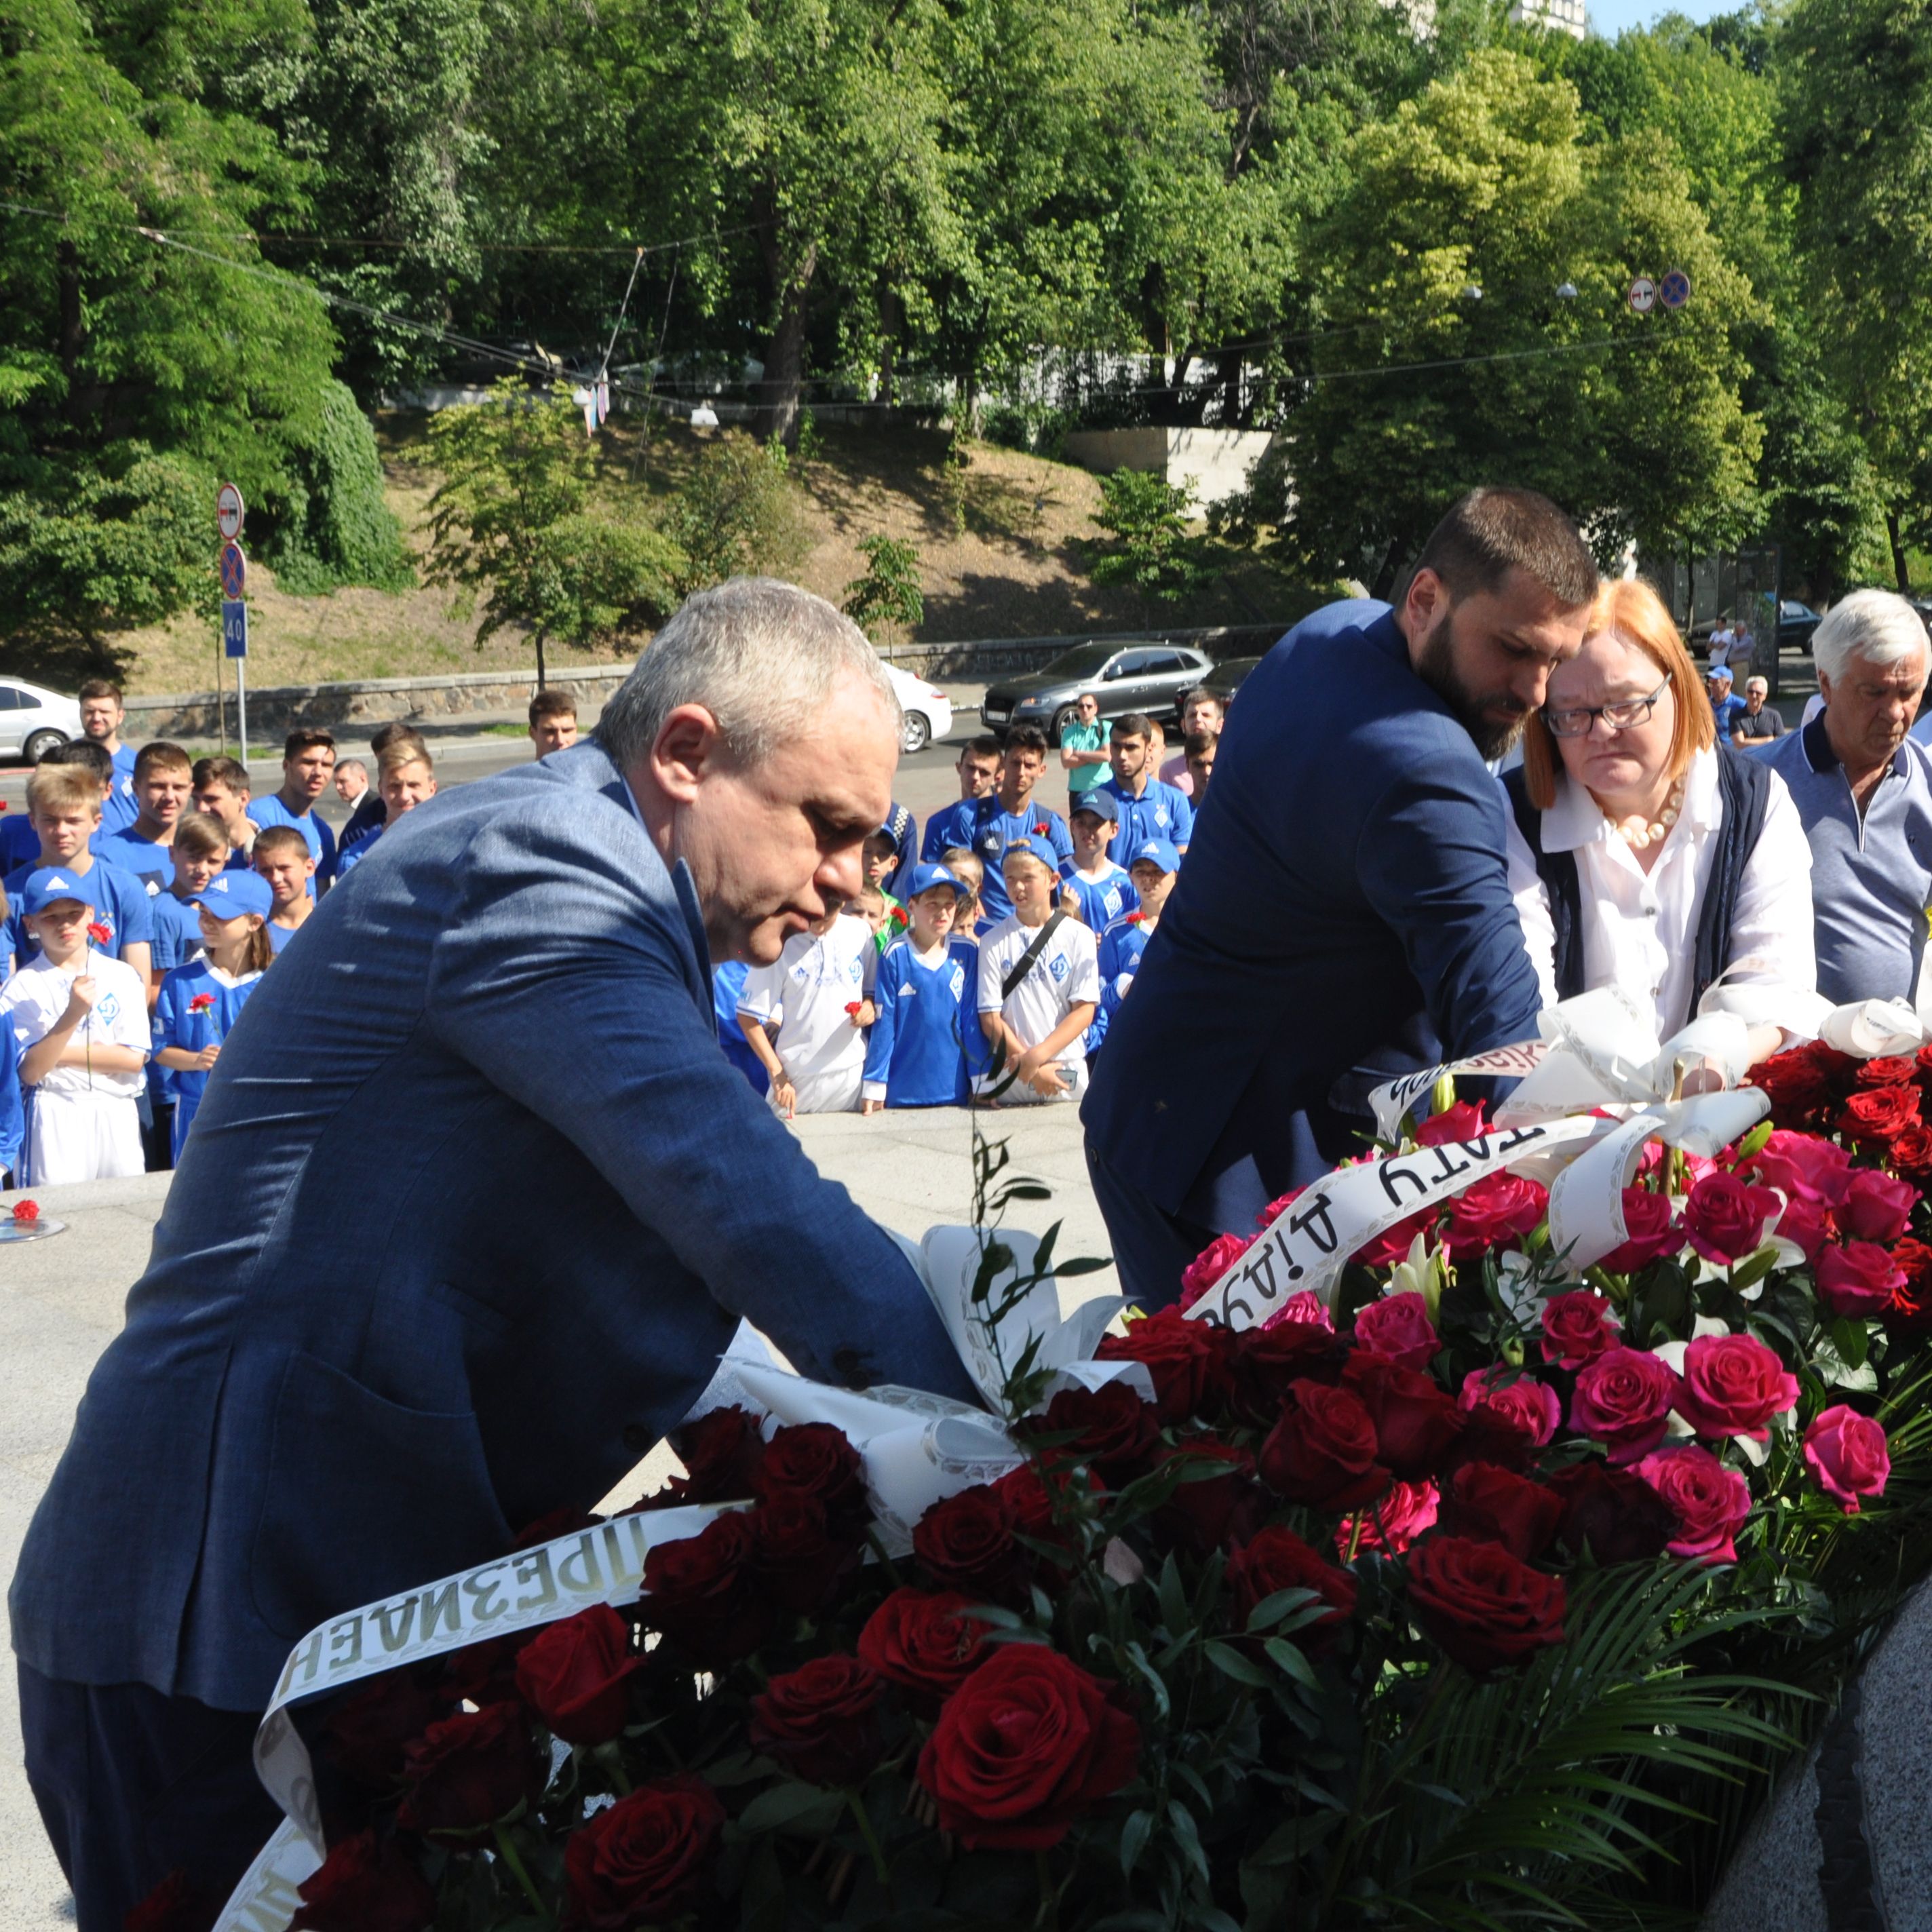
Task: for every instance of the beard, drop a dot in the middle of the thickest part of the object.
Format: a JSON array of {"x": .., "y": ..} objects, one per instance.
[{"x": 1475, "y": 711}]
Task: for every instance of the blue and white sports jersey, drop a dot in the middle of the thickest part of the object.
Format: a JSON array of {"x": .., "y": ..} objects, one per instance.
[
  {"x": 727, "y": 989},
  {"x": 12, "y": 1119},
  {"x": 1159, "y": 812},
  {"x": 118, "y": 810},
  {"x": 182, "y": 1020},
  {"x": 279, "y": 936},
  {"x": 1121, "y": 946},
  {"x": 1102, "y": 901},
  {"x": 177, "y": 931},
  {"x": 994, "y": 829},
  {"x": 19, "y": 841},
  {"x": 153, "y": 865},
  {"x": 119, "y": 901},
  {"x": 951, "y": 826},
  {"x": 316, "y": 831},
  {"x": 926, "y": 1044}
]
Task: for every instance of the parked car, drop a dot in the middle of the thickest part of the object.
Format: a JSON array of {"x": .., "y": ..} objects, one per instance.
[
  {"x": 927, "y": 712},
  {"x": 1229, "y": 675},
  {"x": 1152, "y": 678},
  {"x": 1796, "y": 623},
  {"x": 33, "y": 720}
]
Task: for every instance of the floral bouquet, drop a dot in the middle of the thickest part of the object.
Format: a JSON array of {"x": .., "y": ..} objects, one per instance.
[{"x": 1477, "y": 1591}]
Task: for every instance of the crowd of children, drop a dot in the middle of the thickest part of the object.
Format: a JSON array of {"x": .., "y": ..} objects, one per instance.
[{"x": 143, "y": 895}]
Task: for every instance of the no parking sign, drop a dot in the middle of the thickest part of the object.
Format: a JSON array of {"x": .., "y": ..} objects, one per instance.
[{"x": 234, "y": 571}]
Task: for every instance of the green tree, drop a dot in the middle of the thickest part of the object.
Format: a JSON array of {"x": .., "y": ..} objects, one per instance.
[
  {"x": 337, "y": 527},
  {"x": 888, "y": 596},
  {"x": 1146, "y": 517},
  {"x": 515, "y": 517},
  {"x": 736, "y": 515}
]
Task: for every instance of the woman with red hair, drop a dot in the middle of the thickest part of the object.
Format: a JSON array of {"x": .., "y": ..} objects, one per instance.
[{"x": 1643, "y": 854}]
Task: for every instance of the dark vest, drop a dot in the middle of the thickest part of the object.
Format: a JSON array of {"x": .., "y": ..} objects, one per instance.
[{"x": 1744, "y": 784}]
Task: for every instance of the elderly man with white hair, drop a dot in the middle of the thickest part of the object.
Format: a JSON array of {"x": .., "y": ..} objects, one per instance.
[{"x": 1863, "y": 787}]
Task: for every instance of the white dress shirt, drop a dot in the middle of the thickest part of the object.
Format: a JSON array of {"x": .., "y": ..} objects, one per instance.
[{"x": 1639, "y": 929}]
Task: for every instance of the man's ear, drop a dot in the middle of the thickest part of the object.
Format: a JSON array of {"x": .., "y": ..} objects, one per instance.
[
  {"x": 688, "y": 744},
  {"x": 1425, "y": 600}
]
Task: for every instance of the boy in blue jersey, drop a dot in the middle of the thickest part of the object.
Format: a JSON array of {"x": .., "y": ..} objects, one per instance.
[
  {"x": 283, "y": 858},
  {"x": 1123, "y": 942},
  {"x": 406, "y": 777},
  {"x": 978, "y": 766},
  {"x": 101, "y": 716},
  {"x": 1148, "y": 808},
  {"x": 1096, "y": 891},
  {"x": 918, "y": 1055},
  {"x": 200, "y": 850},
  {"x": 1011, "y": 813},
  {"x": 222, "y": 792},
  {"x": 163, "y": 786},
  {"x": 727, "y": 990},
  {"x": 64, "y": 809},
  {"x": 308, "y": 764}
]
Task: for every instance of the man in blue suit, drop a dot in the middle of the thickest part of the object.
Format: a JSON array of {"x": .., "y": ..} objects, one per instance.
[
  {"x": 1343, "y": 915},
  {"x": 349, "y": 1370}
]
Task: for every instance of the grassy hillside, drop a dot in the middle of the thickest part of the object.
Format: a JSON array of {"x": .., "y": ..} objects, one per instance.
[{"x": 1002, "y": 548}]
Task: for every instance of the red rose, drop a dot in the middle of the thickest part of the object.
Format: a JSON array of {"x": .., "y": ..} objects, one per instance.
[
  {"x": 1397, "y": 1327},
  {"x": 1622, "y": 1399},
  {"x": 1323, "y": 1449},
  {"x": 800, "y": 1562},
  {"x": 1485, "y": 1608},
  {"x": 1733, "y": 1385},
  {"x": 1269, "y": 1361},
  {"x": 1807, "y": 1227},
  {"x": 1275, "y": 1558},
  {"x": 1415, "y": 1421},
  {"x": 1888, "y": 1070},
  {"x": 26, "y": 1212},
  {"x": 646, "y": 1858},
  {"x": 1804, "y": 1168},
  {"x": 1910, "y": 1310},
  {"x": 1201, "y": 1516},
  {"x": 1210, "y": 1265},
  {"x": 1497, "y": 1210},
  {"x": 822, "y": 1721},
  {"x": 1579, "y": 1327},
  {"x": 926, "y": 1643},
  {"x": 470, "y": 1770},
  {"x": 1847, "y": 1452},
  {"x": 966, "y": 1542},
  {"x": 363, "y": 1886},
  {"x": 1650, "y": 1231},
  {"x": 366, "y": 1735},
  {"x": 1187, "y": 1360},
  {"x": 1859, "y": 1278},
  {"x": 1725, "y": 1217},
  {"x": 1111, "y": 1426},
  {"x": 1278, "y": 1206},
  {"x": 1494, "y": 1505},
  {"x": 1804, "y": 1082},
  {"x": 1304, "y": 1307},
  {"x": 721, "y": 1452},
  {"x": 1023, "y": 1748},
  {"x": 576, "y": 1674},
  {"x": 175, "y": 1905},
  {"x": 1031, "y": 1505},
  {"x": 703, "y": 1593},
  {"x": 1911, "y": 1153},
  {"x": 1615, "y": 1516},
  {"x": 1876, "y": 1116},
  {"x": 1393, "y": 1244},
  {"x": 1392, "y": 1521},
  {"x": 1876, "y": 1208},
  {"x": 1521, "y": 1407},
  {"x": 815, "y": 1459},
  {"x": 1709, "y": 1501},
  {"x": 1461, "y": 1122},
  {"x": 483, "y": 1673}
]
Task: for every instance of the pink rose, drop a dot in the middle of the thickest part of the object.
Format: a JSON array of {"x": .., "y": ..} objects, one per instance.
[
  {"x": 1733, "y": 1385},
  {"x": 1498, "y": 1210},
  {"x": 1305, "y": 1307},
  {"x": 1804, "y": 1168},
  {"x": 1807, "y": 1226},
  {"x": 1725, "y": 1217},
  {"x": 1650, "y": 1230},
  {"x": 1859, "y": 1278},
  {"x": 1876, "y": 1208},
  {"x": 1578, "y": 1327},
  {"x": 1526, "y": 1406},
  {"x": 1397, "y": 1520},
  {"x": 1397, "y": 1327},
  {"x": 1847, "y": 1452},
  {"x": 1393, "y": 1244},
  {"x": 1461, "y": 1122},
  {"x": 1622, "y": 1399},
  {"x": 1210, "y": 1265},
  {"x": 1710, "y": 1502}
]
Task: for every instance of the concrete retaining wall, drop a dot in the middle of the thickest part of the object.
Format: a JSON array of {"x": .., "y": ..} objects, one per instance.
[{"x": 1211, "y": 464}]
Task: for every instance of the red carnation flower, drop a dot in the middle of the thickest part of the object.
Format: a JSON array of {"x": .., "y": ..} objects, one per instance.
[
  {"x": 201, "y": 1003},
  {"x": 852, "y": 1008},
  {"x": 26, "y": 1212},
  {"x": 99, "y": 932}
]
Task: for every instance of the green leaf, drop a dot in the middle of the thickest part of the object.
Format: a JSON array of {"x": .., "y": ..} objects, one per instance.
[
  {"x": 1271, "y": 1610},
  {"x": 1288, "y": 1659},
  {"x": 805, "y": 1809},
  {"x": 1231, "y": 1662},
  {"x": 1134, "y": 1835}
]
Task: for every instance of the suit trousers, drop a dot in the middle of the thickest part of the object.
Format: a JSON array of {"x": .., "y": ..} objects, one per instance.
[
  {"x": 133, "y": 1785},
  {"x": 1151, "y": 1246}
]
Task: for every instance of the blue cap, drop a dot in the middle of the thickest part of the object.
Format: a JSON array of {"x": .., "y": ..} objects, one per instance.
[
  {"x": 1030, "y": 848},
  {"x": 51, "y": 884},
  {"x": 230, "y": 894},
  {"x": 923, "y": 878},
  {"x": 1099, "y": 801},
  {"x": 1156, "y": 852}
]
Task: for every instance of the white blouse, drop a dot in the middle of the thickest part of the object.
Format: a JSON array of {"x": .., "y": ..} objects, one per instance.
[{"x": 1639, "y": 930}]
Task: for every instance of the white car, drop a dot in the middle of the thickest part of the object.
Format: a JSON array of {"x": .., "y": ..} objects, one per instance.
[
  {"x": 927, "y": 712},
  {"x": 34, "y": 720}
]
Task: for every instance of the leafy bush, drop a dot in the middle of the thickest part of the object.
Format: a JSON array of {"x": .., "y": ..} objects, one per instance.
[
  {"x": 888, "y": 597},
  {"x": 334, "y": 527},
  {"x": 1147, "y": 517},
  {"x": 736, "y": 516}
]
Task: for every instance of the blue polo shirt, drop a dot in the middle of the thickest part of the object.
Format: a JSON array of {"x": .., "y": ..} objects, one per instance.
[
  {"x": 153, "y": 865},
  {"x": 19, "y": 841},
  {"x": 118, "y": 810},
  {"x": 177, "y": 931},
  {"x": 1871, "y": 876},
  {"x": 994, "y": 829},
  {"x": 1161, "y": 812},
  {"x": 1727, "y": 711},
  {"x": 316, "y": 831},
  {"x": 952, "y": 825}
]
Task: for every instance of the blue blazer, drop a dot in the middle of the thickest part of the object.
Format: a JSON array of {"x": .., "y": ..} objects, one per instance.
[
  {"x": 472, "y": 1207},
  {"x": 1342, "y": 915}
]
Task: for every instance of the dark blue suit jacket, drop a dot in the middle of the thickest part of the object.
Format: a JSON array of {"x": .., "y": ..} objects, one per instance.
[
  {"x": 1342, "y": 915},
  {"x": 359, "y": 1360}
]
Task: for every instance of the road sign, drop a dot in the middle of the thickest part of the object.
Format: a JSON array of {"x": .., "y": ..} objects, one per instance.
[
  {"x": 1674, "y": 291},
  {"x": 1642, "y": 296},
  {"x": 234, "y": 571},
  {"x": 228, "y": 511},
  {"x": 234, "y": 627}
]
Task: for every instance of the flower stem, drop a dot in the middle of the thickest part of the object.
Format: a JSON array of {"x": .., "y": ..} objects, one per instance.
[
  {"x": 1047, "y": 1917},
  {"x": 881, "y": 1869},
  {"x": 507, "y": 1852},
  {"x": 885, "y": 1562},
  {"x": 611, "y": 1757}
]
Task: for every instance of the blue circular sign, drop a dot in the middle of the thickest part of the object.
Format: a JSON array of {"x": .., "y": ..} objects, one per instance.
[
  {"x": 1674, "y": 291},
  {"x": 234, "y": 570}
]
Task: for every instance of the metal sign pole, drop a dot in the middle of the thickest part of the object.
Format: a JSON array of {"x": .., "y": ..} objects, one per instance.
[{"x": 242, "y": 707}]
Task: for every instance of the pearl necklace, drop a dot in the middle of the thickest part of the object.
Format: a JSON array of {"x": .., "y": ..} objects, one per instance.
[{"x": 1635, "y": 833}]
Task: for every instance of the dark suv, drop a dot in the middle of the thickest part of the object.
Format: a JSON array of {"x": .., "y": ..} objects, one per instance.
[{"x": 1152, "y": 678}]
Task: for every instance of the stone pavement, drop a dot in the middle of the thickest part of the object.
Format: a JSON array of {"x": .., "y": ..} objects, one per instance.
[{"x": 61, "y": 1302}]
